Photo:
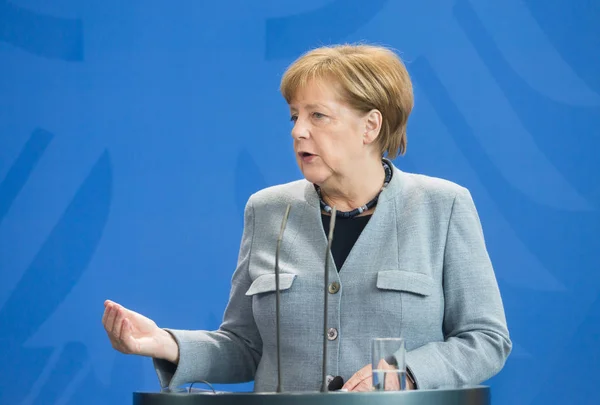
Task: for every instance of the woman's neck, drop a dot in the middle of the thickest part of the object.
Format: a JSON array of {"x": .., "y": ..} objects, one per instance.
[{"x": 355, "y": 189}]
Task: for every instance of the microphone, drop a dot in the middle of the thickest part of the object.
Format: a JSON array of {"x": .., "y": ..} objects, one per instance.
[
  {"x": 336, "y": 384},
  {"x": 324, "y": 386},
  {"x": 277, "y": 298}
]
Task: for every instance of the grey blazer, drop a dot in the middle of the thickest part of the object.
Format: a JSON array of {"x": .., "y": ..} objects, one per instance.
[{"x": 419, "y": 270}]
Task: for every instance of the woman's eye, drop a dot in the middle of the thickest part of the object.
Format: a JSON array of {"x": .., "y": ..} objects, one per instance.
[
  {"x": 318, "y": 115},
  {"x": 294, "y": 118}
]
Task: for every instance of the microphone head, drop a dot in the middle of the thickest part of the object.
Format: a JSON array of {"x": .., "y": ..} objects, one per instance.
[{"x": 336, "y": 384}]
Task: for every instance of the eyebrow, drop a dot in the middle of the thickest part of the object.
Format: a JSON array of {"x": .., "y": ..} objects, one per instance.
[{"x": 311, "y": 106}]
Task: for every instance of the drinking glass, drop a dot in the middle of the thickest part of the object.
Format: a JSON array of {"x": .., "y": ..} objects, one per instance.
[{"x": 389, "y": 366}]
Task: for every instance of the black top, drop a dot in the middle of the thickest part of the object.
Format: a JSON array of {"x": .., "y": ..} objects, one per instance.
[{"x": 345, "y": 234}]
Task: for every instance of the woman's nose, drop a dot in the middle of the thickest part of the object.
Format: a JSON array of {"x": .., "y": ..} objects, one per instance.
[{"x": 299, "y": 131}]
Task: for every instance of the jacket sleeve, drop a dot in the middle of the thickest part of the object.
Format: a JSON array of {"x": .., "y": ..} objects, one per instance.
[
  {"x": 230, "y": 354},
  {"x": 476, "y": 339}
]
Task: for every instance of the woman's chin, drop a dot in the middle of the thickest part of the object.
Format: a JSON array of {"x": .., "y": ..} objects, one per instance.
[{"x": 314, "y": 176}]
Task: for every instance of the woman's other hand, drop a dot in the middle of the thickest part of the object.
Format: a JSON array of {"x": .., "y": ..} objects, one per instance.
[{"x": 133, "y": 333}]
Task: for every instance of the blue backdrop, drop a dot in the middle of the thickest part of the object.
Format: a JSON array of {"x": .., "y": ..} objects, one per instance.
[{"x": 132, "y": 133}]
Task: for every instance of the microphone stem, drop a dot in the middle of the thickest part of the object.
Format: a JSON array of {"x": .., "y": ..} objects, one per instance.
[
  {"x": 278, "y": 298},
  {"x": 277, "y": 315},
  {"x": 324, "y": 387},
  {"x": 325, "y": 299}
]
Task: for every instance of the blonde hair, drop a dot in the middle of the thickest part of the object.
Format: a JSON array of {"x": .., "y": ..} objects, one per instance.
[{"x": 368, "y": 77}]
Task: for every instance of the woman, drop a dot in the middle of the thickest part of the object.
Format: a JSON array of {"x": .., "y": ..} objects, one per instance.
[{"x": 409, "y": 252}]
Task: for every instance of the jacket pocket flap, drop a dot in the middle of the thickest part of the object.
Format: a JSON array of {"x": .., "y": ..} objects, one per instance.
[
  {"x": 266, "y": 283},
  {"x": 409, "y": 281}
]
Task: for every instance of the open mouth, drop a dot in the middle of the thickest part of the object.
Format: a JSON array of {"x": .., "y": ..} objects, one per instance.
[{"x": 305, "y": 154}]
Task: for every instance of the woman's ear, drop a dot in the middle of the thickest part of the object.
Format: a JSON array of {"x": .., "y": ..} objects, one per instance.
[{"x": 373, "y": 122}]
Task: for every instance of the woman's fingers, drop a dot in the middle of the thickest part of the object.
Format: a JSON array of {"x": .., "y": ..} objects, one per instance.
[
  {"x": 116, "y": 327},
  {"x": 392, "y": 382},
  {"x": 119, "y": 327},
  {"x": 105, "y": 316},
  {"x": 125, "y": 337},
  {"x": 358, "y": 378},
  {"x": 110, "y": 319},
  {"x": 364, "y": 386},
  {"x": 120, "y": 336}
]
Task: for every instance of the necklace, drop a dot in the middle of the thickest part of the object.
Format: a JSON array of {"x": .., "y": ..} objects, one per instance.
[{"x": 357, "y": 211}]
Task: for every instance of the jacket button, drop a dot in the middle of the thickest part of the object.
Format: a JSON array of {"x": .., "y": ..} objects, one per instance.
[
  {"x": 332, "y": 334},
  {"x": 334, "y": 287}
]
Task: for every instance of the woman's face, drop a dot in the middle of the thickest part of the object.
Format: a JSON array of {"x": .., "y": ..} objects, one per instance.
[{"x": 329, "y": 136}]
